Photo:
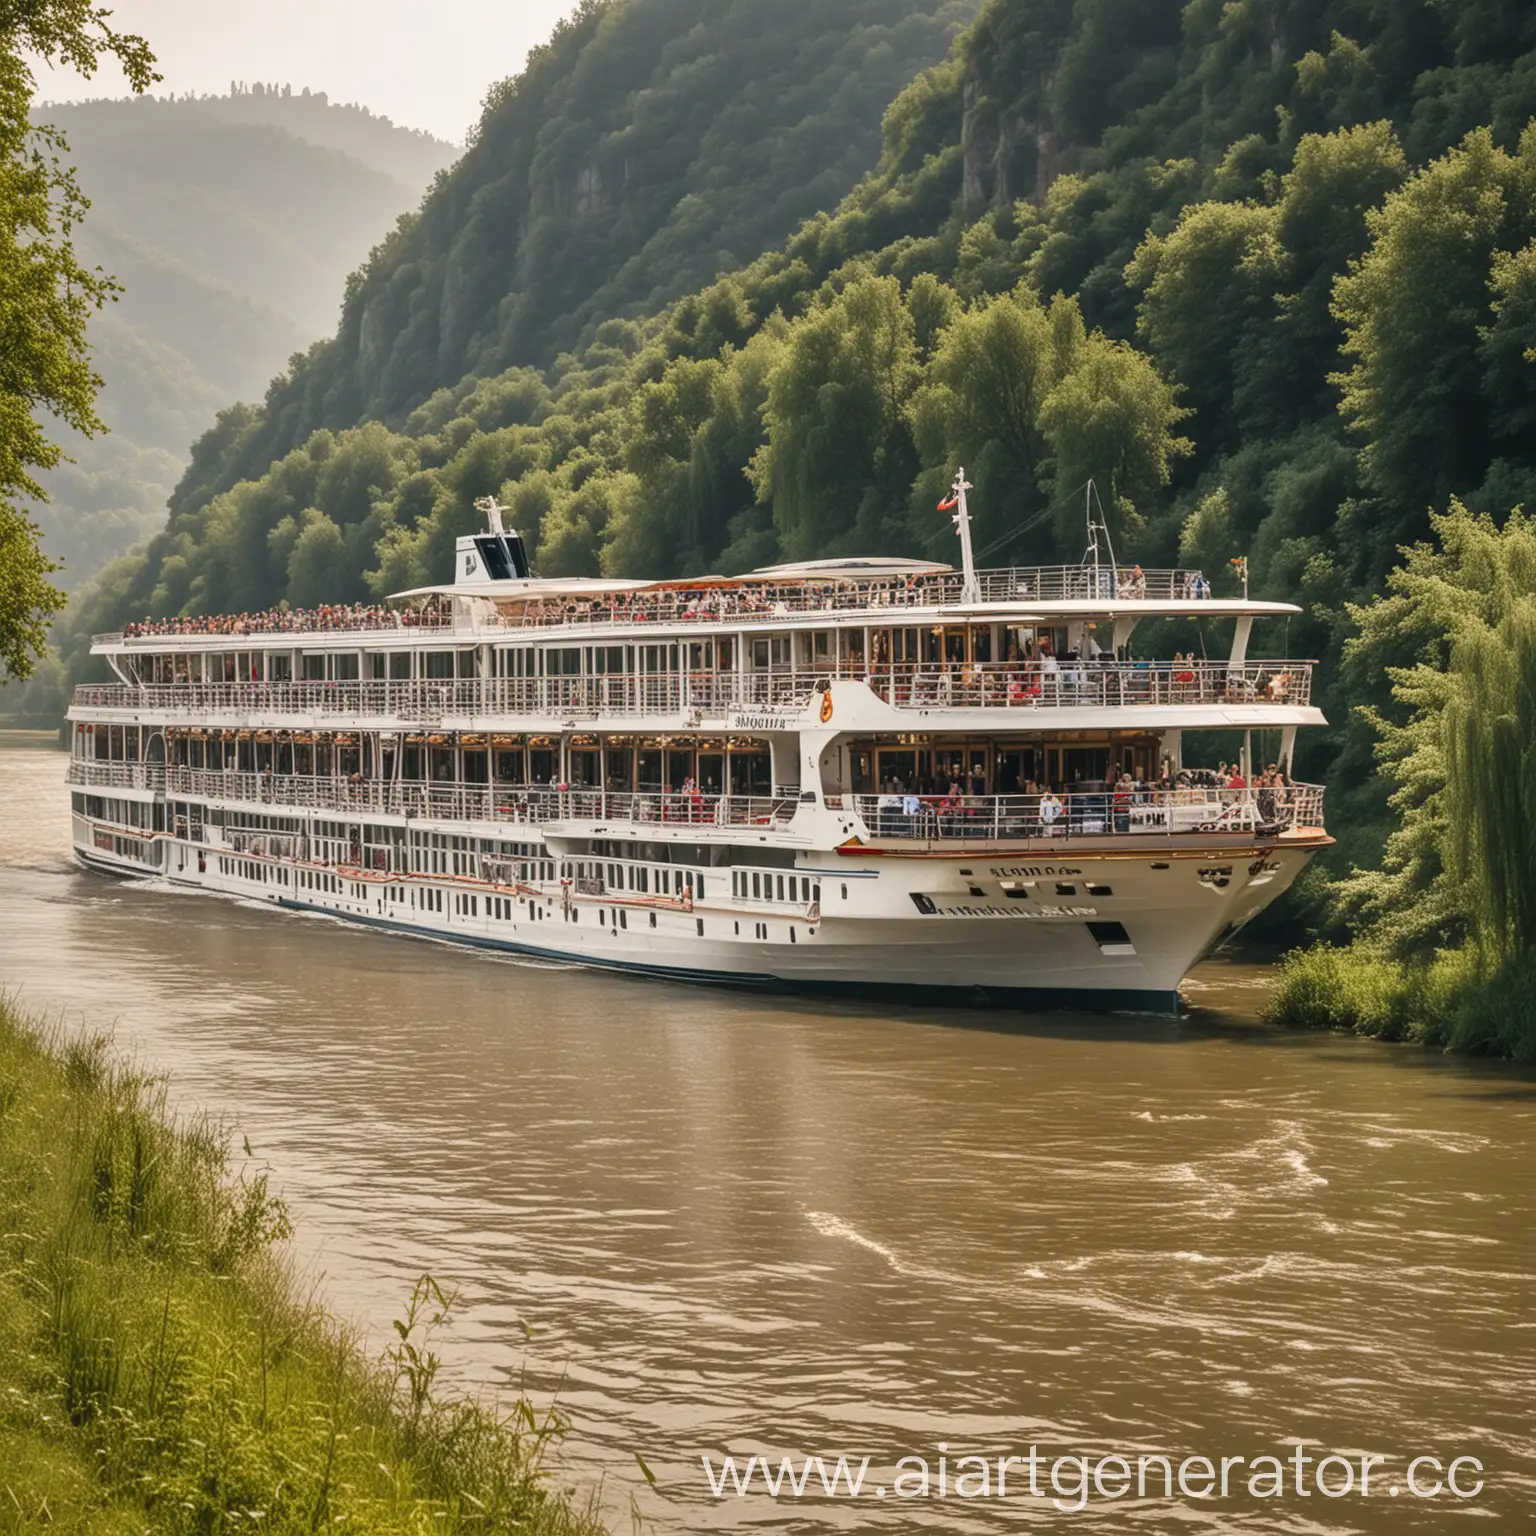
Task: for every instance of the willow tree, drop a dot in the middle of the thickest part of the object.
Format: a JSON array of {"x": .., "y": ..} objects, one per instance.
[
  {"x": 46, "y": 296},
  {"x": 1454, "y": 637},
  {"x": 1490, "y": 756}
]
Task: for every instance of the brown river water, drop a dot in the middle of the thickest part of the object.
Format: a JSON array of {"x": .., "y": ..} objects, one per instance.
[{"x": 712, "y": 1222}]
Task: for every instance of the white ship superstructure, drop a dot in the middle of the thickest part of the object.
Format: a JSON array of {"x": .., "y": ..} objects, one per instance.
[{"x": 845, "y": 775}]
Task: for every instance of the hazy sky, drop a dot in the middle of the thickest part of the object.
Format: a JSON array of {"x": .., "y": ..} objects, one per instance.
[{"x": 426, "y": 65}]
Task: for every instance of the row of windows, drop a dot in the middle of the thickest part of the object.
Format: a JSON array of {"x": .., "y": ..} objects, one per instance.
[{"x": 767, "y": 885}]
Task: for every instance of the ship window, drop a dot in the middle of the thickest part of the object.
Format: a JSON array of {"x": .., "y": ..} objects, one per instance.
[
  {"x": 757, "y": 886},
  {"x": 623, "y": 919},
  {"x": 1112, "y": 938},
  {"x": 1066, "y": 890},
  {"x": 653, "y": 919},
  {"x": 781, "y": 887},
  {"x": 699, "y": 924},
  {"x": 1100, "y": 890}
]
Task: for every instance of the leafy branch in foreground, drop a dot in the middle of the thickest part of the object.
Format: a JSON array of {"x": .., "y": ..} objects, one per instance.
[{"x": 46, "y": 295}]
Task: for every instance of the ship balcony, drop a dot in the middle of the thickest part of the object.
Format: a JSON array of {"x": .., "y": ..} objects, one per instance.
[
  {"x": 1054, "y": 822},
  {"x": 684, "y": 698},
  {"x": 900, "y": 820}
]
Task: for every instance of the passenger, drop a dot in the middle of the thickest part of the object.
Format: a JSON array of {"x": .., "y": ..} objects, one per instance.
[{"x": 1051, "y": 810}]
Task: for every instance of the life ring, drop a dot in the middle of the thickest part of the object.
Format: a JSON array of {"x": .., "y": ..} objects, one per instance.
[{"x": 826, "y": 707}]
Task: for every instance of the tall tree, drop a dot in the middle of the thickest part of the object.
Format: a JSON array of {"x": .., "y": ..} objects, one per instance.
[{"x": 46, "y": 296}]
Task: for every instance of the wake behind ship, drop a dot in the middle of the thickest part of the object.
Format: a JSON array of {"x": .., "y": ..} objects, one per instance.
[{"x": 845, "y": 775}]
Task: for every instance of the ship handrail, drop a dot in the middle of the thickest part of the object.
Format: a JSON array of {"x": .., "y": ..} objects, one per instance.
[
  {"x": 892, "y": 816},
  {"x": 756, "y": 598},
  {"x": 1095, "y": 813},
  {"x": 1013, "y": 685}
]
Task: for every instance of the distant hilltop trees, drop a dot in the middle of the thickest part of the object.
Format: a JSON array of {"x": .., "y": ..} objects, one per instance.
[{"x": 268, "y": 94}]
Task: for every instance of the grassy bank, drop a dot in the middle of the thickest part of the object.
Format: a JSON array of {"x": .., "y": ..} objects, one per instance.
[
  {"x": 160, "y": 1369},
  {"x": 1455, "y": 1002}
]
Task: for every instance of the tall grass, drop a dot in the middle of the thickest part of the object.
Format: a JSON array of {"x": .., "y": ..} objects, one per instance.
[
  {"x": 1458, "y": 1001},
  {"x": 160, "y": 1369}
]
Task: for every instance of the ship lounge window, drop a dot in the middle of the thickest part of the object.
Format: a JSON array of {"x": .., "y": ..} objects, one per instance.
[{"x": 757, "y": 887}]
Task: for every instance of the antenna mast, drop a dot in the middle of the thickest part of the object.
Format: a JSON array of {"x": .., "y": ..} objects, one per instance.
[
  {"x": 1097, "y": 526},
  {"x": 493, "y": 510},
  {"x": 970, "y": 591}
]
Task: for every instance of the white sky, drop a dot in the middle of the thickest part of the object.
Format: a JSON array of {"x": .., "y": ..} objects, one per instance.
[{"x": 424, "y": 65}]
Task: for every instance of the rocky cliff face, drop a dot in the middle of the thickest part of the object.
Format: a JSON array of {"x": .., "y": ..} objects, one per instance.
[{"x": 1010, "y": 155}]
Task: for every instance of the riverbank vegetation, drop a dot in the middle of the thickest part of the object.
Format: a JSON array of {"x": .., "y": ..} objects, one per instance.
[
  {"x": 1444, "y": 947},
  {"x": 160, "y": 1369}
]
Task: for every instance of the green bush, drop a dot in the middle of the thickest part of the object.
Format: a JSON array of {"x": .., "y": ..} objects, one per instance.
[{"x": 1458, "y": 1001}]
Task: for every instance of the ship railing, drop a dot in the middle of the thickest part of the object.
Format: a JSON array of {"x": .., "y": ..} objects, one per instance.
[
  {"x": 675, "y": 809},
  {"x": 109, "y": 775},
  {"x": 765, "y": 603},
  {"x": 527, "y": 804},
  {"x": 878, "y": 596},
  {"x": 1090, "y": 684},
  {"x": 1013, "y": 685},
  {"x": 1096, "y": 813}
]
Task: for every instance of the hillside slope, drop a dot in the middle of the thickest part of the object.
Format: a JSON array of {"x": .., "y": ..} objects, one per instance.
[{"x": 648, "y": 147}]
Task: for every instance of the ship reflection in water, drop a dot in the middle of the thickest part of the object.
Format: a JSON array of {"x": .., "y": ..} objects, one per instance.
[{"x": 757, "y": 1224}]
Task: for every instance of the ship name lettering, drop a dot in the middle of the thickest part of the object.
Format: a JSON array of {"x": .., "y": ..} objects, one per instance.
[{"x": 1037, "y": 869}]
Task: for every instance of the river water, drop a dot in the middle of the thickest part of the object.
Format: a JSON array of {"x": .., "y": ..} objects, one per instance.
[{"x": 712, "y": 1222}]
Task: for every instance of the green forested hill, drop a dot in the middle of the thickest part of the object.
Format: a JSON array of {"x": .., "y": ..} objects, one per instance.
[
  {"x": 648, "y": 147},
  {"x": 230, "y": 224},
  {"x": 1265, "y": 269}
]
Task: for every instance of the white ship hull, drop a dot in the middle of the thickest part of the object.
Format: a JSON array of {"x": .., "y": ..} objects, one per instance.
[{"x": 1115, "y": 931}]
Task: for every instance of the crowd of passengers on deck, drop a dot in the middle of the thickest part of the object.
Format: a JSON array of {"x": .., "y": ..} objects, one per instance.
[
  {"x": 919, "y": 806},
  {"x": 279, "y": 621},
  {"x": 1119, "y": 804},
  {"x": 652, "y": 605}
]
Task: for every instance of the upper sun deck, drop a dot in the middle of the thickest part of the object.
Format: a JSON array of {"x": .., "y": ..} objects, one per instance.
[{"x": 822, "y": 594}]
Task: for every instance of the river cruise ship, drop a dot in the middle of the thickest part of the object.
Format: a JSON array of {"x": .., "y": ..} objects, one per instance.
[{"x": 844, "y": 775}]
